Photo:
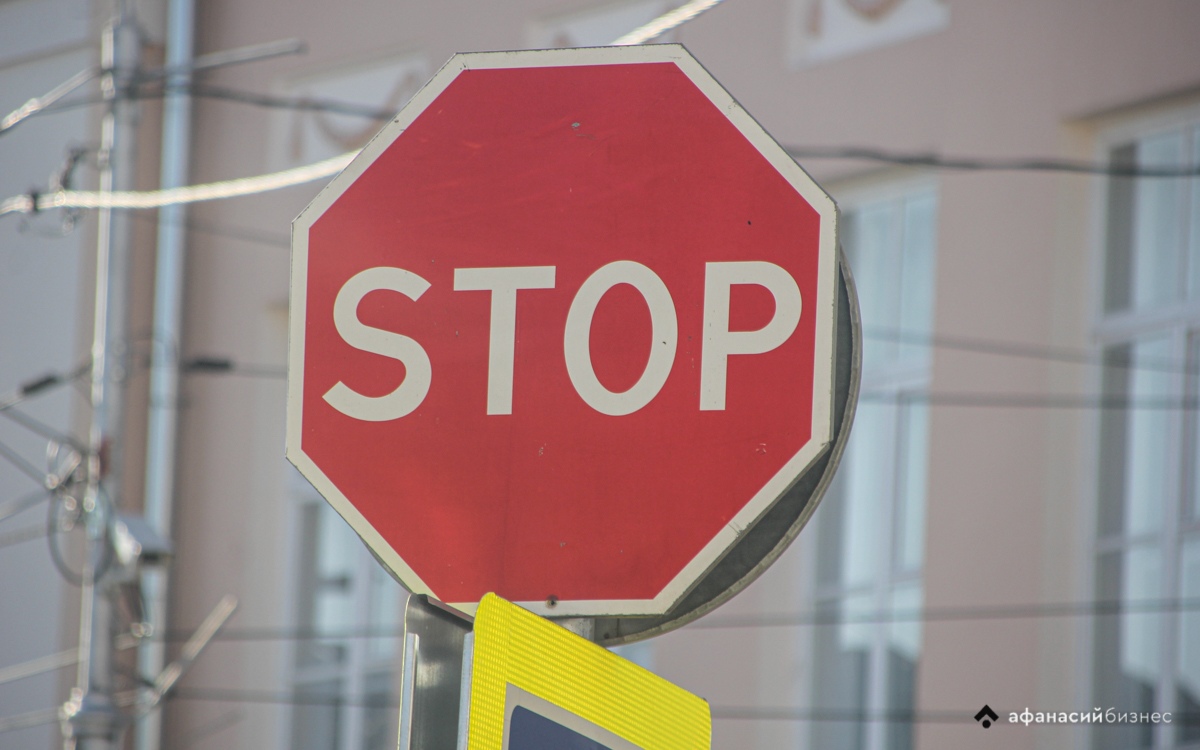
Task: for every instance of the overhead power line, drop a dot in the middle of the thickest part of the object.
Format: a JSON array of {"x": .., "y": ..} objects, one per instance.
[
  {"x": 135, "y": 199},
  {"x": 859, "y": 716},
  {"x": 251, "y": 235},
  {"x": 297, "y": 698},
  {"x": 78, "y": 199},
  {"x": 22, "y": 465},
  {"x": 225, "y": 366},
  {"x": 1035, "y": 400},
  {"x": 746, "y": 713},
  {"x": 929, "y": 716},
  {"x": 1013, "y": 164},
  {"x": 848, "y": 152},
  {"x": 50, "y": 101},
  {"x": 251, "y": 185},
  {"x": 27, "y": 534},
  {"x": 41, "y": 384},
  {"x": 39, "y": 666},
  {"x": 41, "y": 103},
  {"x": 29, "y": 719},
  {"x": 275, "y": 101},
  {"x": 666, "y": 22},
  {"x": 1022, "y": 350},
  {"x": 951, "y": 614},
  {"x": 23, "y": 503},
  {"x": 812, "y": 618}
]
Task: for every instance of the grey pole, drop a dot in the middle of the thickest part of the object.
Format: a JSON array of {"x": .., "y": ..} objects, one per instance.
[
  {"x": 161, "y": 429},
  {"x": 90, "y": 721}
]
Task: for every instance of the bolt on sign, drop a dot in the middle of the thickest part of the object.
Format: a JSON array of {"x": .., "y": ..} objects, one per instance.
[{"x": 565, "y": 331}]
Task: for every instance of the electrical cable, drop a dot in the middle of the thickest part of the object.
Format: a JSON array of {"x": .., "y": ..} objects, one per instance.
[
  {"x": 38, "y": 666},
  {"x": 1021, "y": 350},
  {"x": 134, "y": 199},
  {"x": 34, "y": 202},
  {"x": 224, "y": 366},
  {"x": 932, "y": 716},
  {"x": 18, "y": 536},
  {"x": 25, "y": 467},
  {"x": 50, "y": 102},
  {"x": 139, "y": 91},
  {"x": 1034, "y": 401},
  {"x": 21, "y": 504},
  {"x": 40, "y": 103},
  {"x": 274, "y": 101},
  {"x": 814, "y": 618},
  {"x": 847, "y": 714},
  {"x": 1016, "y": 164},
  {"x": 951, "y": 614},
  {"x": 295, "y": 698},
  {"x": 897, "y": 716},
  {"x": 240, "y": 187},
  {"x": 29, "y": 719},
  {"x": 41, "y": 384},
  {"x": 667, "y": 21},
  {"x": 848, "y": 152},
  {"x": 38, "y": 427},
  {"x": 641, "y": 35},
  {"x": 244, "y": 234}
]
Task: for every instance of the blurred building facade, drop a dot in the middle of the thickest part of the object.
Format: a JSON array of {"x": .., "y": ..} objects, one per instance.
[{"x": 1017, "y": 520}]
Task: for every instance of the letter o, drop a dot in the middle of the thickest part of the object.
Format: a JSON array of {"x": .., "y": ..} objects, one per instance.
[{"x": 578, "y": 335}]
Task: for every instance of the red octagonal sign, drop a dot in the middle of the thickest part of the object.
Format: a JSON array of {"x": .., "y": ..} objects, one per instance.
[{"x": 562, "y": 331}]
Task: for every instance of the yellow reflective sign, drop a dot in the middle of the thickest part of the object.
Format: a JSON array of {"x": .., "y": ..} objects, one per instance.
[{"x": 536, "y": 686}]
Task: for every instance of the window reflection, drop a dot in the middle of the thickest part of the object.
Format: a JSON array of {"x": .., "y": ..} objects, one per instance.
[
  {"x": 1134, "y": 437},
  {"x": 1126, "y": 654},
  {"x": 870, "y": 528},
  {"x": 1187, "y": 684},
  {"x": 1144, "y": 656}
]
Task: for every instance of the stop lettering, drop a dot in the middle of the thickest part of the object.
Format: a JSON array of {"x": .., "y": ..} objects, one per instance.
[{"x": 718, "y": 340}]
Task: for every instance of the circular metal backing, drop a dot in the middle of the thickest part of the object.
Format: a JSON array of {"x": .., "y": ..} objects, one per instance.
[{"x": 762, "y": 544}]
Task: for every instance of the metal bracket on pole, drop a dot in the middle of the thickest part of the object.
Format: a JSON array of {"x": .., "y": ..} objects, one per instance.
[{"x": 434, "y": 640}]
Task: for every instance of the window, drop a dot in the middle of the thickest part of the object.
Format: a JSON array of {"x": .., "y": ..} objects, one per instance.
[
  {"x": 344, "y": 668},
  {"x": 344, "y": 675},
  {"x": 870, "y": 538},
  {"x": 825, "y": 30},
  {"x": 1146, "y": 658}
]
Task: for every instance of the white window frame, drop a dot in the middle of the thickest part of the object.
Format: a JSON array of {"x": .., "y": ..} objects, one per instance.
[
  {"x": 1178, "y": 322},
  {"x": 902, "y": 382},
  {"x": 360, "y": 665}
]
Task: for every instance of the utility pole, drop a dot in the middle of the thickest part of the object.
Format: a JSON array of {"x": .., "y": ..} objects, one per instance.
[{"x": 90, "y": 719}]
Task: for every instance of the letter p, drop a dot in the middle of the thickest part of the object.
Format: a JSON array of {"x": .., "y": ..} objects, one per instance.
[{"x": 720, "y": 342}]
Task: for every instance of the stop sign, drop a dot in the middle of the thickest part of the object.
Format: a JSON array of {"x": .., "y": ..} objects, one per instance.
[{"x": 563, "y": 331}]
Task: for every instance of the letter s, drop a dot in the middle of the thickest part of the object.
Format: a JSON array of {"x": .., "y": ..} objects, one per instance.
[{"x": 417, "y": 371}]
